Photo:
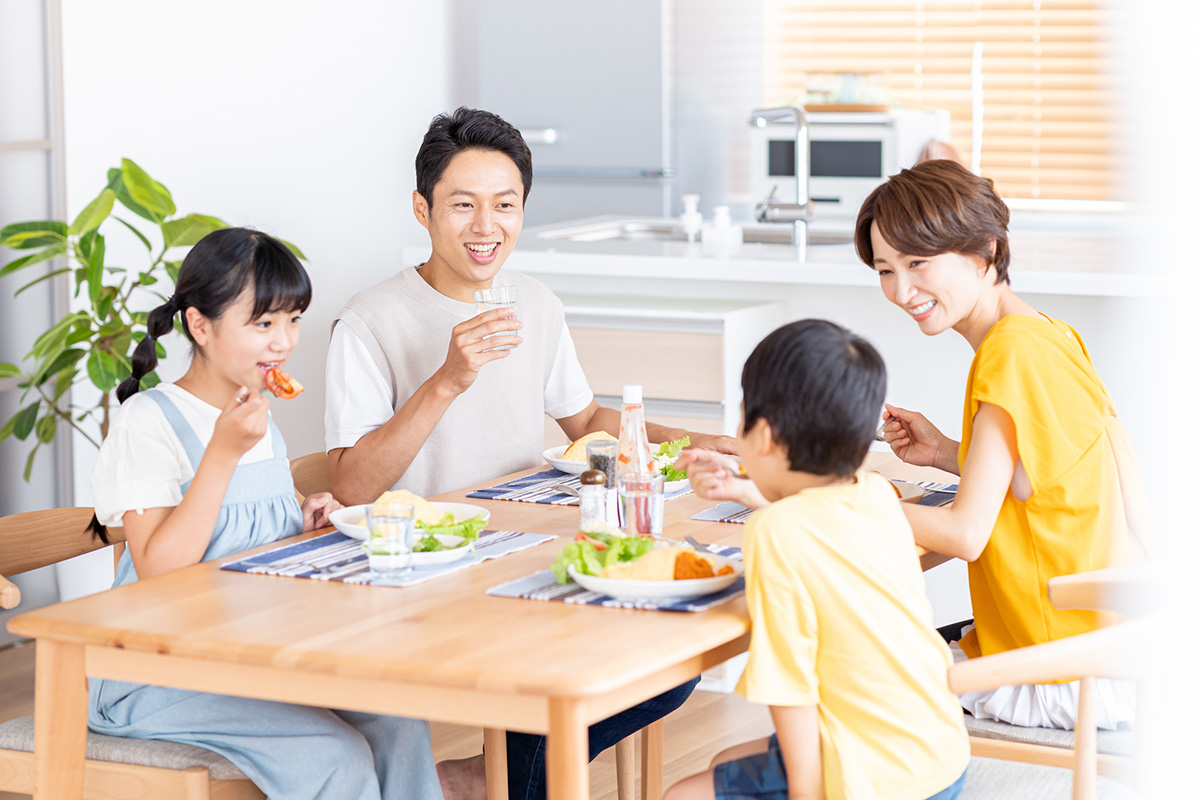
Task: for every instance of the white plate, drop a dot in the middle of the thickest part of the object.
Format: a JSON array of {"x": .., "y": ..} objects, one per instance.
[
  {"x": 909, "y": 492},
  {"x": 674, "y": 486},
  {"x": 660, "y": 591},
  {"x": 346, "y": 519},
  {"x": 554, "y": 457}
]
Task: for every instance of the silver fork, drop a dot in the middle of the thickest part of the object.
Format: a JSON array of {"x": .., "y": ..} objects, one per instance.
[{"x": 703, "y": 548}]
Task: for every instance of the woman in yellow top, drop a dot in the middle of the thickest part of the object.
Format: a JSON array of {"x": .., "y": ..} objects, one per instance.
[
  {"x": 1041, "y": 450},
  {"x": 1043, "y": 461}
]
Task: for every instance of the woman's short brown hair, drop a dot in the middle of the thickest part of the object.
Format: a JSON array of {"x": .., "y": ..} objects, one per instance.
[{"x": 937, "y": 207}]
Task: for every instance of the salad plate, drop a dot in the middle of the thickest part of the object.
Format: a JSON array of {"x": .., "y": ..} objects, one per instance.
[
  {"x": 659, "y": 591},
  {"x": 349, "y": 520}
]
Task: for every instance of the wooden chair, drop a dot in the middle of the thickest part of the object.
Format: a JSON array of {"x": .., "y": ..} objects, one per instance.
[
  {"x": 310, "y": 473},
  {"x": 117, "y": 767},
  {"x": 1117, "y": 651}
]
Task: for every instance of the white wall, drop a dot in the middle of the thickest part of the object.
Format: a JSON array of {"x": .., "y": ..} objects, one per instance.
[{"x": 297, "y": 117}]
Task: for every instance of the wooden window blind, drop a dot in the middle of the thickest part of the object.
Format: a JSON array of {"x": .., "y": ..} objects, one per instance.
[{"x": 1027, "y": 82}]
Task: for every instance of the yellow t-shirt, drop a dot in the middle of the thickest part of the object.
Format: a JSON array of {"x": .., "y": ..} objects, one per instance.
[
  {"x": 839, "y": 620},
  {"x": 1038, "y": 370}
]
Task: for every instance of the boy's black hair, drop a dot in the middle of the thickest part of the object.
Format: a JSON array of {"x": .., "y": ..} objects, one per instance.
[
  {"x": 820, "y": 387},
  {"x": 469, "y": 129}
]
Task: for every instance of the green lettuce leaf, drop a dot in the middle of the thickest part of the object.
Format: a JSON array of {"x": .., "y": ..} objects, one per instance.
[
  {"x": 672, "y": 450},
  {"x": 586, "y": 559},
  {"x": 467, "y": 529}
]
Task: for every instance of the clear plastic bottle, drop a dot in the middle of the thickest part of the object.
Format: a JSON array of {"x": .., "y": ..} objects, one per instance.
[{"x": 634, "y": 450}]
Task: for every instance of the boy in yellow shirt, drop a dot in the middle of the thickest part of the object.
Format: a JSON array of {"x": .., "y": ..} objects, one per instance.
[{"x": 842, "y": 644}]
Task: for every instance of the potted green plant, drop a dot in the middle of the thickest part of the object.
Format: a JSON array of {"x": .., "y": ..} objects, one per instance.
[{"x": 93, "y": 342}]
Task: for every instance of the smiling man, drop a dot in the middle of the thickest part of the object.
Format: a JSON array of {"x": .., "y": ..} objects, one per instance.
[{"x": 418, "y": 398}]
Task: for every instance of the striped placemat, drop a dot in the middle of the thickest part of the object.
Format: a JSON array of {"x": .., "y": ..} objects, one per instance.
[
  {"x": 936, "y": 494},
  {"x": 542, "y": 585},
  {"x": 337, "y": 557},
  {"x": 539, "y": 488}
]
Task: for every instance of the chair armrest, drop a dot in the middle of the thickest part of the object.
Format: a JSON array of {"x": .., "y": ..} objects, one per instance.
[
  {"x": 1126, "y": 650},
  {"x": 1129, "y": 589},
  {"x": 10, "y": 593}
]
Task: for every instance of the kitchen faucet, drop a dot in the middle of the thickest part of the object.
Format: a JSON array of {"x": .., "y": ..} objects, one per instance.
[{"x": 800, "y": 210}]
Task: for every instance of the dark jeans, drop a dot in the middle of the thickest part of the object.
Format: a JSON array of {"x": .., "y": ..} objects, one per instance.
[
  {"x": 953, "y": 632},
  {"x": 527, "y": 752}
]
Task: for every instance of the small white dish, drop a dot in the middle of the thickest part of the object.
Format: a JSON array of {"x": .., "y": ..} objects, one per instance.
[
  {"x": 909, "y": 492},
  {"x": 554, "y": 457},
  {"x": 348, "y": 520},
  {"x": 675, "y": 486},
  {"x": 660, "y": 591}
]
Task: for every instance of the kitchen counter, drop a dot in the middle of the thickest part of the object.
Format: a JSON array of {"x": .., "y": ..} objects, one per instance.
[{"x": 1081, "y": 259}]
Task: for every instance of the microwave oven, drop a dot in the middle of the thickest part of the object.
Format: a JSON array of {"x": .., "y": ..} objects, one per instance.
[{"x": 849, "y": 155}]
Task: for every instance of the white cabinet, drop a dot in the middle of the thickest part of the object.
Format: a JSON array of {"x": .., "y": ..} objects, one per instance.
[{"x": 686, "y": 353}]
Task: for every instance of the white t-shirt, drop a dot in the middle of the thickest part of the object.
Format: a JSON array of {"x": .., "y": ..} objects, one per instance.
[
  {"x": 142, "y": 464},
  {"x": 358, "y": 400}
]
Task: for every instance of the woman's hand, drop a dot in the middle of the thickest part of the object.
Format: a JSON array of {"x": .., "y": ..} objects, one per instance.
[
  {"x": 714, "y": 476},
  {"x": 316, "y": 509},
  {"x": 915, "y": 440},
  {"x": 242, "y": 424}
]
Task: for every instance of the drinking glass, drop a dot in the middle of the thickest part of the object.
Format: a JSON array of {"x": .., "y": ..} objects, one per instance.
[
  {"x": 641, "y": 503},
  {"x": 497, "y": 297},
  {"x": 392, "y": 530}
]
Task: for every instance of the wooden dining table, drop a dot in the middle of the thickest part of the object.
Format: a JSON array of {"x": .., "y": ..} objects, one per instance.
[{"x": 442, "y": 650}]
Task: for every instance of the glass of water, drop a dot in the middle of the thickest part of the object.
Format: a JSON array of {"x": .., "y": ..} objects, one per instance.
[
  {"x": 392, "y": 531},
  {"x": 641, "y": 503},
  {"x": 497, "y": 297}
]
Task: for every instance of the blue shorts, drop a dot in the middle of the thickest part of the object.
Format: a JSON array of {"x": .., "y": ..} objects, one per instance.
[{"x": 762, "y": 777}]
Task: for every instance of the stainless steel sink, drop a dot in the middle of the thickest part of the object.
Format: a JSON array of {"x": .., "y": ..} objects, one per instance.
[{"x": 666, "y": 230}]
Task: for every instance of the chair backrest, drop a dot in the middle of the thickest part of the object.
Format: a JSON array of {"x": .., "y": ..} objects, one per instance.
[
  {"x": 37, "y": 539},
  {"x": 310, "y": 474}
]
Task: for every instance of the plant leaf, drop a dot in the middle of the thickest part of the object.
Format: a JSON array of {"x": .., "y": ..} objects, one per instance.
[
  {"x": 29, "y": 462},
  {"x": 102, "y": 369},
  {"x": 94, "y": 213},
  {"x": 145, "y": 191},
  {"x": 64, "y": 360},
  {"x": 36, "y": 281},
  {"x": 53, "y": 338},
  {"x": 8, "y": 370},
  {"x": 188, "y": 230},
  {"x": 150, "y": 380},
  {"x": 63, "y": 382},
  {"x": 95, "y": 271},
  {"x": 46, "y": 428},
  {"x": 172, "y": 268},
  {"x": 136, "y": 233},
  {"x": 295, "y": 250},
  {"x": 116, "y": 182},
  {"x": 146, "y": 279},
  {"x": 108, "y": 296},
  {"x": 24, "y": 420},
  {"x": 27, "y": 240},
  {"x": 38, "y": 233},
  {"x": 7, "y": 429},
  {"x": 54, "y": 251}
]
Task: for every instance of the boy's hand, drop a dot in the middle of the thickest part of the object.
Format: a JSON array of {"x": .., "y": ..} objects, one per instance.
[
  {"x": 242, "y": 423},
  {"x": 715, "y": 476},
  {"x": 316, "y": 509},
  {"x": 915, "y": 440},
  {"x": 469, "y": 350}
]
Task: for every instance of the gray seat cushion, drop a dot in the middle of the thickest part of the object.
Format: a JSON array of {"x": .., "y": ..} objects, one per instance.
[
  {"x": 1116, "y": 743},
  {"x": 989, "y": 778},
  {"x": 17, "y": 734}
]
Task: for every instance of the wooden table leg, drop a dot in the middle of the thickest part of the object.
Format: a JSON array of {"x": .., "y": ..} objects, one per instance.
[
  {"x": 652, "y": 761},
  {"x": 626, "y": 781},
  {"x": 60, "y": 721},
  {"x": 495, "y": 763},
  {"x": 567, "y": 751}
]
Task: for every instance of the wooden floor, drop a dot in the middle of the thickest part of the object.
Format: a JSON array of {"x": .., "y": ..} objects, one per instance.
[{"x": 706, "y": 724}]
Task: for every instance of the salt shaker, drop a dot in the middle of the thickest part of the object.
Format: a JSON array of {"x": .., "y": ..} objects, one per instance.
[{"x": 592, "y": 496}]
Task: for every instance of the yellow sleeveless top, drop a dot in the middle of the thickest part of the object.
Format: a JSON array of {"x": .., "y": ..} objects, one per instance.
[{"x": 1038, "y": 370}]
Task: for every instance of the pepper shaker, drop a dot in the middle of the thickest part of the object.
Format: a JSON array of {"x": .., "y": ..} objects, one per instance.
[{"x": 592, "y": 496}]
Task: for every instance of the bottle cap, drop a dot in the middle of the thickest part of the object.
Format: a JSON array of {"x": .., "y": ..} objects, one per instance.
[
  {"x": 592, "y": 477},
  {"x": 631, "y": 393}
]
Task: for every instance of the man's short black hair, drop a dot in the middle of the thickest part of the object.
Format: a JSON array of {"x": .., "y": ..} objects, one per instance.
[
  {"x": 821, "y": 388},
  {"x": 469, "y": 129}
]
